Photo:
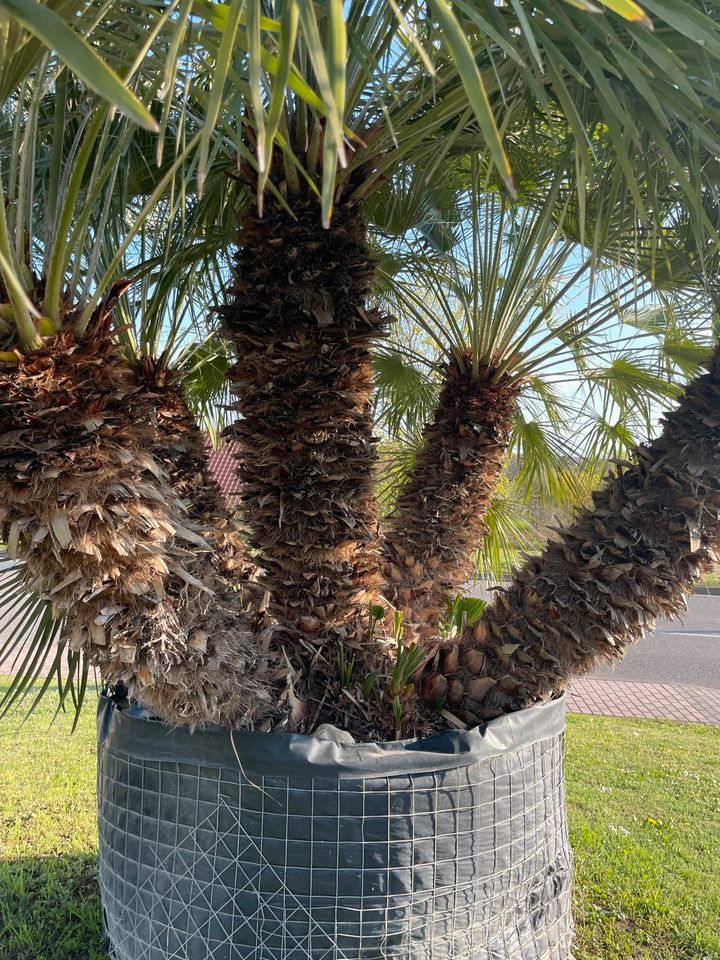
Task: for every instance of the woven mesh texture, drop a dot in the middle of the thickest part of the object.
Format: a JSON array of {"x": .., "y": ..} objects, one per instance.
[{"x": 472, "y": 862}]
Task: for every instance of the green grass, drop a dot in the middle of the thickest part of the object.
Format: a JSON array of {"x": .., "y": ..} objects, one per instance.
[
  {"x": 711, "y": 579},
  {"x": 644, "y": 800},
  {"x": 49, "y": 908},
  {"x": 645, "y": 820}
]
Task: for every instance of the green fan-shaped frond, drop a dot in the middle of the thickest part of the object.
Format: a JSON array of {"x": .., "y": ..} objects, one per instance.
[
  {"x": 34, "y": 649},
  {"x": 425, "y": 80},
  {"x": 512, "y": 530},
  {"x": 207, "y": 390},
  {"x": 405, "y": 391},
  {"x": 544, "y": 462}
]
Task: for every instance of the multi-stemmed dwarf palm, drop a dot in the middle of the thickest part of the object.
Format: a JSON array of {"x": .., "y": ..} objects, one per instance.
[
  {"x": 408, "y": 92},
  {"x": 320, "y": 105}
]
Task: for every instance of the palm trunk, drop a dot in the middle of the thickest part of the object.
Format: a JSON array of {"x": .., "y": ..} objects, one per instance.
[
  {"x": 302, "y": 380},
  {"x": 635, "y": 556},
  {"x": 180, "y": 449},
  {"x": 439, "y": 520},
  {"x": 104, "y": 536},
  {"x": 180, "y": 444}
]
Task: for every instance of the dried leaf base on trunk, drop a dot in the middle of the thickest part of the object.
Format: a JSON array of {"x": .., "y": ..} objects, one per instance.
[
  {"x": 105, "y": 538},
  {"x": 302, "y": 380},
  {"x": 439, "y": 520},
  {"x": 180, "y": 447}
]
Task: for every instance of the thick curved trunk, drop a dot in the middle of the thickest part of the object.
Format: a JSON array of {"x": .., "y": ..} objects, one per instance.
[
  {"x": 635, "y": 556},
  {"x": 439, "y": 520},
  {"x": 105, "y": 538},
  {"x": 302, "y": 380}
]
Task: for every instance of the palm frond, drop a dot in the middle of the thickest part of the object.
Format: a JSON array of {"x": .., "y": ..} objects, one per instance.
[
  {"x": 67, "y": 189},
  {"x": 396, "y": 460},
  {"x": 405, "y": 389},
  {"x": 34, "y": 649},
  {"x": 512, "y": 530},
  {"x": 206, "y": 383},
  {"x": 544, "y": 462},
  {"x": 420, "y": 82}
]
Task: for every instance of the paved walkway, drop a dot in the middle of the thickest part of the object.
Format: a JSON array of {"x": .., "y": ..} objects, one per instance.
[{"x": 654, "y": 701}]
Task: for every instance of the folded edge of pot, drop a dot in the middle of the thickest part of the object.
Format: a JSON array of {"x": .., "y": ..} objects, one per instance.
[{"x": 295, "y": 755}]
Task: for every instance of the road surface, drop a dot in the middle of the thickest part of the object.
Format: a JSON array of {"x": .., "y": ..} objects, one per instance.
[{"x": 679, "y": 651}]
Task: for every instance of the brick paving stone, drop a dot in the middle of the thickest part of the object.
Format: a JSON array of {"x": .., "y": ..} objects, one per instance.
[{"x": 653, "y": 701}]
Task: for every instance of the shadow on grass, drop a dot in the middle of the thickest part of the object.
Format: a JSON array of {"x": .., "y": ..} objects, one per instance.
[{"x": 50, "y": 909}]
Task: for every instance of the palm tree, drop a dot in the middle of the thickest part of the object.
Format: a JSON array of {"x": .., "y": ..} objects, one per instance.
[
  {"x": 320, "y": 105},
  {"x": 140, "y": 581},
  {"x": 299, "y": 318}
]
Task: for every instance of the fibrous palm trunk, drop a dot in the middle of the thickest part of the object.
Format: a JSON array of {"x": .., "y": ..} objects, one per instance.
[
  {"x": 105, "y": 538},
  {"x": 302, "y": 381},
  {"x": 180, "y": 447},
  {"x": 439, "y": 519},
  {"x": 634, "y": 556},
  {"x": 180, "y": 444}
]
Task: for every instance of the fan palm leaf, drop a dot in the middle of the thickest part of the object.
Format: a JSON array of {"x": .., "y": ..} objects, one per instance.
[
  {"x": 28, "y": 28},
  {"x": 420, "y": 81}
]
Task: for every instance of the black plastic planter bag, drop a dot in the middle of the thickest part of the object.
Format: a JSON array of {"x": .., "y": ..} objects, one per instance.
[{"x": 277, "y": 847}]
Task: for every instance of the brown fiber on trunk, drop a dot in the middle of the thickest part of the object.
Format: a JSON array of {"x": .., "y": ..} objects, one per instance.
[
  {"x": 104, "y": 537},
  {"x": 180, "y": 447},
  {"x": 180, "y": 443},
  {"x": 634, "y": 556},
  {"x": 303, "y": 335},
  {"x": 439, "y": 519}
]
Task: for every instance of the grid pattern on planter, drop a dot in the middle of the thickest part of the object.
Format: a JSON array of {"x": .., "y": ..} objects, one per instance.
[{"x": 470, "y": 863}]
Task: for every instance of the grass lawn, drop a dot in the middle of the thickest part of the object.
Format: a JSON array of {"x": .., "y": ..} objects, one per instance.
[
  {"x": 645, "y": 819},
  {"x": 644, "y": 803},
  {"x": 711, "y": 579}
]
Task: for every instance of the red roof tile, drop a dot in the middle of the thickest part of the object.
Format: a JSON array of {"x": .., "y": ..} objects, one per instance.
[{"x": 222, "y": 465}]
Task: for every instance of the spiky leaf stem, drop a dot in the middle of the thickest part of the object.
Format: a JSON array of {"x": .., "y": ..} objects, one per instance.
[
  {"x": 303, "y": 335},
  {"x": 634, "y": 556},
  {"x": 439, "y": 520},
  {"x": 105, "y": 538}
]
